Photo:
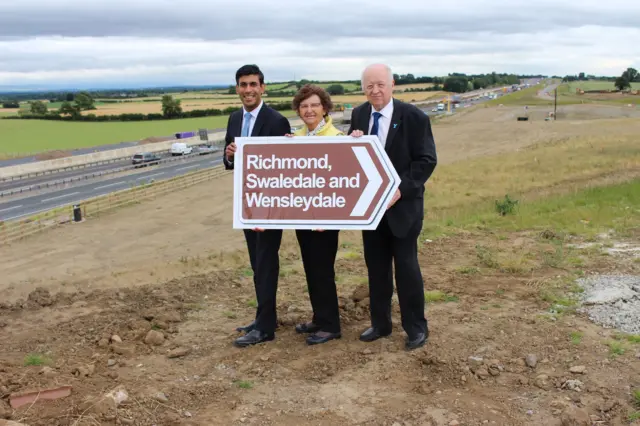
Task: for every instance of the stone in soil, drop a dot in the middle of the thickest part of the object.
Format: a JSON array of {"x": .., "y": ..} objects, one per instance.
[
  {"x": 154, "y": 338},
  {"x": 531, "y": 360}
]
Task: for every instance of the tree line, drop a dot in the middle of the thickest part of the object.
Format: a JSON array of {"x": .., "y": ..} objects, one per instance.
[
  {"x": 623, "y": 82},
  {"x": 171, "y": 109}
]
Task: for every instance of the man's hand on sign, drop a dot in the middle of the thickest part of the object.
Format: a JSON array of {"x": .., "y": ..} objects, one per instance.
[
  {"x": 356, "y": 133},
  {"x": 258, "y": 230},
  {"x": 318, "y": 230},
  {"x": 396, "y": 197},
  {"x": 289, "y": 135},
  {"x": 231, "y": 150}
]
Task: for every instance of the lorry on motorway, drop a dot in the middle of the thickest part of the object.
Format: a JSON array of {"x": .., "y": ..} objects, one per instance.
[
  {"x": 180, "y": 148},
  {"x": 440, "y": 107}
]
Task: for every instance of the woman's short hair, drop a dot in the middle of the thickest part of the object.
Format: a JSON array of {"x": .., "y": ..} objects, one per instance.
[{"x": 309, "y": 90}]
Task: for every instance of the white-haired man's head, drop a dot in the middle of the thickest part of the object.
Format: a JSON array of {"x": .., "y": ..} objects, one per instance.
[{"x": 377, "y": 84}]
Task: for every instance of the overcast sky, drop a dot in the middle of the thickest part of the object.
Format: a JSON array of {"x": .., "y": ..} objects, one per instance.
[{"x": 97, "y": 43}]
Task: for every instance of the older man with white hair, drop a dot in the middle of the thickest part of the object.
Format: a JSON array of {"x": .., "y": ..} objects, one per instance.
[{"x": 405, "y": 133}]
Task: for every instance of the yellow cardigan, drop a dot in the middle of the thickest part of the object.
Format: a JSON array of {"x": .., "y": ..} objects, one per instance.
[{"x": 327, "y": 130}]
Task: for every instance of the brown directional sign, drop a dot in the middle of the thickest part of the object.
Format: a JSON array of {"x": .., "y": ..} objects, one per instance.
[{"x": 311, "y": 182}]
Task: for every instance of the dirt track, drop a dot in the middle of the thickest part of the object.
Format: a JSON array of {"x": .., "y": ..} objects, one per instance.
[{"x": 112, "y": 274}]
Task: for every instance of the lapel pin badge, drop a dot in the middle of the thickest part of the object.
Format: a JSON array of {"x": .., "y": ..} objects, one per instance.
[{"x": 395, "y": 125}]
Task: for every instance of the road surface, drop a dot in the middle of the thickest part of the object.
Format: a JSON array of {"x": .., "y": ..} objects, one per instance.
[
  {"x": 40, "y": 202},
  {"x": 56, "y": 196}
]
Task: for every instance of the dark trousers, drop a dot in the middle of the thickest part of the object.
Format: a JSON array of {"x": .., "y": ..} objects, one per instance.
[
  {"x": 381, "y": 247},
  {"x": 319, "y": 250},
  {"x": 263, "y": 254}
]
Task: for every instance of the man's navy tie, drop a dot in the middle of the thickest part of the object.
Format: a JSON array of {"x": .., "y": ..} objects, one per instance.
[
  {"x": 374, "y": 129},
  {"x": 247, "y": 121}
]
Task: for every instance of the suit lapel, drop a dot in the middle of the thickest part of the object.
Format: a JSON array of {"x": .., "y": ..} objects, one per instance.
[
  {"x": 366, "y": 114},
  {"x": 259, "y": 121},
  {"x": 394, "y": 126},
  {"x": 237, "y": 124}
]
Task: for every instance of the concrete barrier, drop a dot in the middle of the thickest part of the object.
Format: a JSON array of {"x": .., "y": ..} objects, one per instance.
[{"x": 42, "y": 167}]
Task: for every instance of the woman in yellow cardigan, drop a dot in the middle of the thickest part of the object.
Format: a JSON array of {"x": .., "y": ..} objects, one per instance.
[{"x": 318, "y": 248}]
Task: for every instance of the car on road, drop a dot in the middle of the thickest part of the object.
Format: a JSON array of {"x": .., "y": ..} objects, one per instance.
[
  {"x": 145, "y": 158},
  {"x": 180, "y": 148},
  {"x": 205, "y": 149}
]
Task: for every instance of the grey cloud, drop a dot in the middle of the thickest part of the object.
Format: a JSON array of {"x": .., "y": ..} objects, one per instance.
[{"x": 222, "y": 20}]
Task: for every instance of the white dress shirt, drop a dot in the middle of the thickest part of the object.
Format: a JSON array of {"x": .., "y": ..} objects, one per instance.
[
  {"x": 383, "y": 122},
  {"x": 254, "y": 117}
]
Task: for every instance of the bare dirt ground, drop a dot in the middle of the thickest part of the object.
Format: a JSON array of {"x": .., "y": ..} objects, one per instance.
[{"x": 146, "y": 300}]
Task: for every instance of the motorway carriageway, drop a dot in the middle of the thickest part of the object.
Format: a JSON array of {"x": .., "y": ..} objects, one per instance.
[
  {"x": 81, "y": 190},
  {"x": 37, "y": 203},
  {"x": 56, "y": 176}
]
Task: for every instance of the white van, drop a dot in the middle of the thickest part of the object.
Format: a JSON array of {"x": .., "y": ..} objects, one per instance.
[{"x": 180, "y": 148}]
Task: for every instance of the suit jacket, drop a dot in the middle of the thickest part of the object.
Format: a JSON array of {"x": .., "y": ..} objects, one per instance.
[
  {"x": 411, "y": 149},
  {"x": 268, "y": 123}
]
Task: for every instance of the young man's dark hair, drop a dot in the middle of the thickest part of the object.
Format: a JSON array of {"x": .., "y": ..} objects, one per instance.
[{"x": 249, "y": 70}]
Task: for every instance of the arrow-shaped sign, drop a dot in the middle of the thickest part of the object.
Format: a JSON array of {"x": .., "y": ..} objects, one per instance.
[
  {"x": 375, "y": 181},
  {"x": 311, "y": 182}
]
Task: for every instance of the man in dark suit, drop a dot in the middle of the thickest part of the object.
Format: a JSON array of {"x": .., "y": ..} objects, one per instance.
[
  {"x": 257, "y": 119},
  {"x": 405, "y": 133}
]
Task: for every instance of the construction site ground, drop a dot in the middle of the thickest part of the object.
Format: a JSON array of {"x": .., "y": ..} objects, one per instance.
[{"x": 145, "y": 301}]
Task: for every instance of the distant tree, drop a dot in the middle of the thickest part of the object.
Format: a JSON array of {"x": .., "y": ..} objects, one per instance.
[
  {"x": 69, "y": 97},
  {"x": 68, "y": 109},
  {"x": 10, "y": 104},
  {"x": 457, "y": 84},
  {"x": 622, "y": 83},
  {"x": 84, "y": 101},
  {"x": 39, "y": 108},
  {"x": 232, "y": 90},
  {"x": 581, "y": 76},
  {"x": 631, "y": 75},
  {"x": 479, "y": 83},
  {"x": 336, "y": 89},
  {"x": 171, "y": 107}
]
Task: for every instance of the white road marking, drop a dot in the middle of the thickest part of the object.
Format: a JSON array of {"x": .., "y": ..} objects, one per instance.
[
  {"x": 58, "y": 197},
  {"x": 107, "y": 186},
  {"x": 10, "y": 208},
  {"x": 148, "y": 176},
  {"x": 188, "y": 167}
]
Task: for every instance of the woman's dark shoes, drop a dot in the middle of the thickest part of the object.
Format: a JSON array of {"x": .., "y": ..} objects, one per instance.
[
  {"x": 322, "y": 337},
  {"x": 253, "y": 337},
  {"x": 307, "y": 327},
  {"x": 417, "y": 341},
  {"x": 373, "y": 333},
  {"x": 247, "y": 328}
]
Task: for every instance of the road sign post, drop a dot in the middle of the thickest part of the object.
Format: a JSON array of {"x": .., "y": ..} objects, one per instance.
[{"x": 311, "y": 182}]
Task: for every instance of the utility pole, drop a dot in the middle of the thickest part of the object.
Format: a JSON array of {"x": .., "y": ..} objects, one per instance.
[{"x": 555, "y": 103}]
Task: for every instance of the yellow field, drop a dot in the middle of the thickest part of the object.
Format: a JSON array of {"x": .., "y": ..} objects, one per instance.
[
  {"x": 414, "y": 86},
  {"x": 224, "y": 101}
]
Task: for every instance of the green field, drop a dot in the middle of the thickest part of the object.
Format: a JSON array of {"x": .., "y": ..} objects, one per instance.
[
  {"x": 567, "y": 92},
  {"x": 23, "y": 137},
  {"x": 521, "y": 97},
  {"x": 594, "y": 85},
  {"x": 567, "y": 95},
  {"x": 288, "y": 87}
]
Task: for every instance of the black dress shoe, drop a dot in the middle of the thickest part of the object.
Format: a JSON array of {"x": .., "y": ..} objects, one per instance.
[
  {"x": 247, "y": 328},
  {"x": 307, "y": 327},
  {"x": 373, "y": 333},
  {"x": 416, "y": 341},
  {"x": 253, "y": 338},
  {"x": 316, "y": 339}
]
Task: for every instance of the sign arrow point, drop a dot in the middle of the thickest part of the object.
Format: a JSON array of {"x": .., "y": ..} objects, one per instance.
[{"x": 375, "y": 181}]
